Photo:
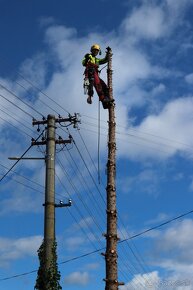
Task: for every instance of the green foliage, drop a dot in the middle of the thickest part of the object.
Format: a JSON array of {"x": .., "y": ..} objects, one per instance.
[{"x": 48, "y": 279}]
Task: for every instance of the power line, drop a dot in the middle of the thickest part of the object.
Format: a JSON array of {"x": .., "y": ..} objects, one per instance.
[
  {"x": 44, "y": 94},
  {"x": 16, "y": 106},
  {"x": 136, "y": 256},
  {"x": 88, "y": 169},
  {"x": 135, "y": 143},
  {"x": 85, "y": 183},
  {"x": 83, "y": 203},
  {"x": 11, "y": 115},
  {"x": 34, "y": 182},
  {"x": 188, "y": 147},
  {"x": 13, "y": 94},
  {"x": 38, "y": 99},
  {"x": 18, "y": 129},
  {"x": 32, "y": 84},
  {"x": 20, "y": 158},
  {"x": 138, "y": 131},
  {"x": 133, "y": 250},
  {"x": 124, "y": 254},
  {"x": 90, "y": 117},
  {"x": 98, "y": 250},
  {"x": 82, "y": 217},
  {"x": 156, "y": 227}
]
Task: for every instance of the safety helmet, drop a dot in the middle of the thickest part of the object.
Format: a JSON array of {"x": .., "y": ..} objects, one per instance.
[{"x": 95, "y": 46}]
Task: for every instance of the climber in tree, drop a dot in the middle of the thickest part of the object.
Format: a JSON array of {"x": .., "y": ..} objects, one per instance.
[{"x": 91, "y": 62}]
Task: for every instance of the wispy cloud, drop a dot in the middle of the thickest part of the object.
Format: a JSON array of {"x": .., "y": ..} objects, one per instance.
[
  {"x": 14, "y": 249},
  {"x": 77, "y": 278}
]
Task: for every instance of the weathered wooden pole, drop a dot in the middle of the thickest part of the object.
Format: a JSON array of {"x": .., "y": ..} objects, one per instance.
[{"x": 111, "y": 234}]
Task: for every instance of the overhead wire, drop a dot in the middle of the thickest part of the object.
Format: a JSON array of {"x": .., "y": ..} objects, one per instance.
[
  {"x": 26, "y": 185},
  {"x": 24, "y": 177},
  {"x": 87, "y": 116},
  {"x": 188, "y": 148},
  {"x": 136, "y": 257},
  {"x": 20, "y": 157},
  {"x": 90, "y": 173},
  {"x": 20, "y": 99},
  {"x": 17, "y": 129},
  {"x": 44, "y": 94},
  {"x": 11, "y": 113},
  {"x": 32, "y": 181},
  {"x": 102, "y": 184},
  {"x": 83, "y": 203},
  {"x": 81, "y": 215},
  {"x": 132, "y": 251},
  {"x": 138, "y": 131},
  {"x": 138, "y": 144},
  {"x": 85, "y": 184},
  {"x": 178, "y": 217},
  {"x": 93, "y": 179},
  {"x": 124, "y": 255},
  {"x": 27, "y": 113}
]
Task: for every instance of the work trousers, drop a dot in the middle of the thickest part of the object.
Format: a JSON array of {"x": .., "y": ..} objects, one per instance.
[{"x": 91, "y": 72}]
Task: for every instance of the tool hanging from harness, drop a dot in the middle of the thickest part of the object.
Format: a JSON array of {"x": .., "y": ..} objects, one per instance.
[{"x": 89, "y": 81}]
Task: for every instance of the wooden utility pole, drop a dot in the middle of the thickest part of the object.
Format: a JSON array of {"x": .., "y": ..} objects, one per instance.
[
  {"x": 111, "y": 234},
  {"x": 49, "y": 214}
]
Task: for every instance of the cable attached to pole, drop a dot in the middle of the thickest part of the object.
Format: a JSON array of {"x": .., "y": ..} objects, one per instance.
[{"x": 99, "y": 117}]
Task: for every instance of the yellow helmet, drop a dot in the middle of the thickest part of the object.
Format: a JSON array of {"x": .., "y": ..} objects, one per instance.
[{"x": 95, "y": 46}]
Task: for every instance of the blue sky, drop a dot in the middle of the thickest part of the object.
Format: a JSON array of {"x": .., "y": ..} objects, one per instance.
[{"x": 42, "y": 44}]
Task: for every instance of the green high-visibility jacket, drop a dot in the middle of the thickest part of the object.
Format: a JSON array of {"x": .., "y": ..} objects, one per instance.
[{"x": 88, "y": 58}]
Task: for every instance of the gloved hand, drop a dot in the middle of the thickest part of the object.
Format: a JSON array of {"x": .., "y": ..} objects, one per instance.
[
  {"x": 87, "y": 57},
  {"x": 108, "y": 48}
]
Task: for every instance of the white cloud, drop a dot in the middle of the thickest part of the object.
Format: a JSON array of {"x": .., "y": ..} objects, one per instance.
[
  {"x": 14, "y": 249},
  {"x": 161, "y": 217},
  {"x": 173, "y": 125},
  {"x": 77, "y": 278},
  {"x": 146, "y": 180},
  {"x": 29, "y": 70},
  {"x": 45, "y": 21},
  {"x": 178, "y": 240},
  {"x": 145, "y": 281},
  {"x": 177, "y": 7},
  {"x": 158, "y": 89},
  {"x": 146, "y": 21},
  {"x": 154, "y": 281},
  {"x": 92, "y": 266},
  {"x": 74, "y": 243},
  {"x": 189, "y": 78},
  {"x": 131, "y": 65},
  {"x": 172, "y": 252},
  {"x": 20, "y": 202},
  {"x": 67, "y": 50},
  {"x": 155, "y": 20}
]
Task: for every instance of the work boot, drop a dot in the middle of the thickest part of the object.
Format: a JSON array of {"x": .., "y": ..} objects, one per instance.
[
  {"x": 89, "y": 100},
  {"x": 107, "y": 102}
]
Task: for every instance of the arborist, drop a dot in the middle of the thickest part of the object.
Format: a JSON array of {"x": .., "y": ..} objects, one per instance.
[{"x": 91, "y": 62}]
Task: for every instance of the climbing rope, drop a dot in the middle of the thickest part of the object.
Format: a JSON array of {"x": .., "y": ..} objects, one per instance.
[
  {"x": 99, "y": 179},
  {"x": 102, "y": 69}
]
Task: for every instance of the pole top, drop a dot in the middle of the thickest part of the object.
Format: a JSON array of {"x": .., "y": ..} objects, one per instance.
[{"x": 51, "y": 116}]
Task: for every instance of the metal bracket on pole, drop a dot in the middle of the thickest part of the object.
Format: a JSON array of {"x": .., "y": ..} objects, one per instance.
[{"x": 62, "y": 204}]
